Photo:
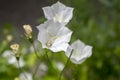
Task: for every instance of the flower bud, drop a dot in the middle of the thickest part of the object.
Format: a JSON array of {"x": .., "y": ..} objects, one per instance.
[
  {"x": 15, "y": 48},
  {"x": 28, "y": 31}
]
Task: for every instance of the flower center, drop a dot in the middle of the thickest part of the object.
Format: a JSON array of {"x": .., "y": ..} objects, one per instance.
[
  {"x": 50, "y": 42},
  {"x": 78, "y": 53},
  {"x": 58, "y": 18}
]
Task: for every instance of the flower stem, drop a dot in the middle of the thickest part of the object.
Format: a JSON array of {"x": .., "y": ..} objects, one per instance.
[
  {"x": 49, "y": 62},
  {"x": 65, "y": 65},
  {"x": 38, "y": 58},
  {"x": 36, "y": 51},
  {"x": 37, "y": 67},
  {"x": 48, "y": 58}
]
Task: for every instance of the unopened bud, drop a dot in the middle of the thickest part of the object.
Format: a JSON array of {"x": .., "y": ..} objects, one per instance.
[
  {"x": 27, "y": 29},
  {"x": 15, "y": 48}
]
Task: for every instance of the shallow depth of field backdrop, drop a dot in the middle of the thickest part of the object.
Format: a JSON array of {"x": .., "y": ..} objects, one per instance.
[{"x": 96, "y": 22}]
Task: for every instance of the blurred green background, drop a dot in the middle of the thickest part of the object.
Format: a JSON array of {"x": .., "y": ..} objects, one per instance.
[{"x": 95, "y": 22}]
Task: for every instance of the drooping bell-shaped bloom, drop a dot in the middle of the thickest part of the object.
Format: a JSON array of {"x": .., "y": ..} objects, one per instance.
[
  {"x": 58, "y": 12},
  {"x": 54, "y": 36},
  {"x": 80, "y": 52}
]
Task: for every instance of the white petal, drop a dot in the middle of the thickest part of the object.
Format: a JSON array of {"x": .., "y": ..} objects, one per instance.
[
  {"x": 59, "y": 47},
  {"x": 53, "y": 27},
  {"x": 43, "y": 36},
  {"x": 57, "y": 7},
  {"x": 68, "y": 13},
  {"x": 87, "y": 51},
  {"x": 48, "y": 12},
  {"x": 64, "y": 35},
  {"x": 76, "y": 61},
  {"x": 78, "y": 45}
]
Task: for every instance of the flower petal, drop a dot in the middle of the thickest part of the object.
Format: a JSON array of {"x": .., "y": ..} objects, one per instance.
[
  {"x": 68, "y": 13},
  {"x": 59, "y": 47},
  {"x": 87, "y": 51},
  {"x": 78, "y": 61},
  {"x": 64, "y": 35},
  {"x": 43, "y": 37},
  {"x": 48, "y": 12},
  {"x": 58, "y": 7},
  {"x": 78, "y": 45}
]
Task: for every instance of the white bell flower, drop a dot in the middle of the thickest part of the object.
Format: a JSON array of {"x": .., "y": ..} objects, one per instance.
[
  {"x": 25, "y": 76},
  {"x": 54, "y": 36},
  {"x": 58, "y": 12},
  {"x": 9, "y": 55},
  {"x": 80, "y": 52}
]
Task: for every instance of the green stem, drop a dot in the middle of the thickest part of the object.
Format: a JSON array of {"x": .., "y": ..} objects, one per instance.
[
  {"x": 48, "y": 58},
  {"x": 38, "y": 58},
  {"x": 65, "y": 66},
  {"x": 35, "y": 51},
  {"x": 49, "y": 62},
  {"x": 36, "y": 70}
]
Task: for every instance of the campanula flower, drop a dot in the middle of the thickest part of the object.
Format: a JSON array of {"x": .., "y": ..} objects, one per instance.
[
  {"x": 54, "y": 36},
  {"x": 80, "y": 52},
  {"x": 58, "y": 12}
]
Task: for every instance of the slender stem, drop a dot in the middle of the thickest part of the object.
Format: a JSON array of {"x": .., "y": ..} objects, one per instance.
[
  {"x": 32, "y": 42},
  {"x": 35, "y": 51},
  {"x": 20, "y": 68},
  {"x": 36, "y": 70},
  {"x": 48, "y": 58},
  {"x": 38, "y": 58},
  {"x": 47, "y": 55},
  {"x": 65, "y": 65},
  {"x": 49, "y": 62}
]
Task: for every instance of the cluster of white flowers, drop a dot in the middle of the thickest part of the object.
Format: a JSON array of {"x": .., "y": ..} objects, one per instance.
[{"x": 55, "y": 36}]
